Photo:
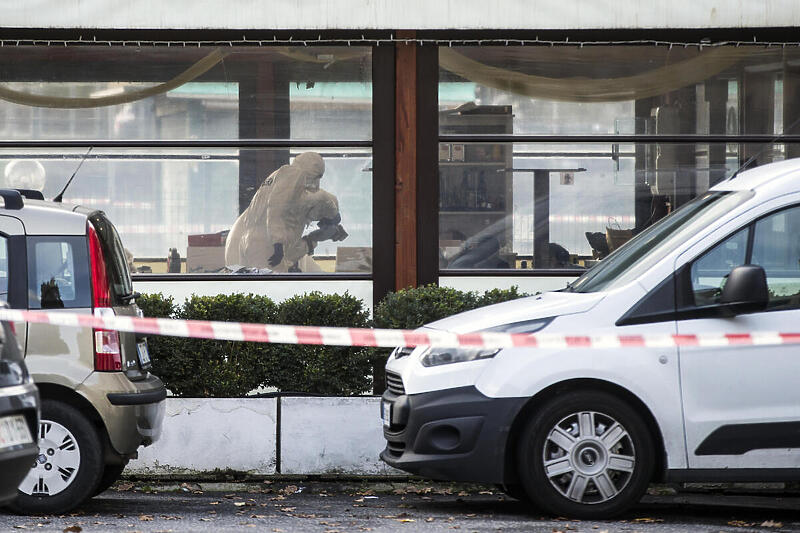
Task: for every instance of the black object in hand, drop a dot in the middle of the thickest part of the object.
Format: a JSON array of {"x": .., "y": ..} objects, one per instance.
[{"x": 277, "y": 256}]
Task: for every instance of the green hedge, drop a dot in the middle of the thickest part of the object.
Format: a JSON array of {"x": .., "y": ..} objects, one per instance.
[{"x": 207, "y": 368}]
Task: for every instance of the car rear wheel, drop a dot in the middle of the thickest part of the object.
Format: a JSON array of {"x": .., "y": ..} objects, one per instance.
[
  {"x": 585, "y": 455},
  {"x": 68, "y": 467}
]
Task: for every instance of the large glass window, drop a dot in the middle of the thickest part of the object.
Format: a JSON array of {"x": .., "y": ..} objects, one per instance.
[
  {"x": 175, "y": 207},
  {"x": 547, "y": 201}
]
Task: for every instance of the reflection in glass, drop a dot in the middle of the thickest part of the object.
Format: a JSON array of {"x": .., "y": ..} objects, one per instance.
[
  {"x": 159, "y": 93},
  {"x": 548, "y": 206},
  {"x": 173, "y": 208}
]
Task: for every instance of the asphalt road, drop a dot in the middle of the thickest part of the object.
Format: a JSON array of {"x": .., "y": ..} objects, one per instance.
[{"x": 294, "y": 506}]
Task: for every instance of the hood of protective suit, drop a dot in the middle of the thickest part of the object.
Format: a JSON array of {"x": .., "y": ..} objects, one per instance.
[{"x": 311, "y": 163}]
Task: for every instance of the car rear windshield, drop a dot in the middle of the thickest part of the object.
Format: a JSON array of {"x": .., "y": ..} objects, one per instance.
[
  {"x": 114, "y": 253},
  {"x": 58, "y": 272}
]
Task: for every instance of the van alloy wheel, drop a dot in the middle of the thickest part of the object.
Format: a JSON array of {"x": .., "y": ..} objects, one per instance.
[
  {"x": 585, "y": 454},
  {"x": 56, "y": 466},
  {"x": 589, "y": 457}
]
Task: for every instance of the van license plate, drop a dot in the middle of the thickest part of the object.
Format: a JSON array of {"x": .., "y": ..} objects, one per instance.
[
  {"x": 144, "y": 355},
  {"x": 386, "y": 413},
  {"x": 14, "y": 431}
]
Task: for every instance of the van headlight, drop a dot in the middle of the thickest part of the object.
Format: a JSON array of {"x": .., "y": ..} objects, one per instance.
[{"x": 446, "y": 356}]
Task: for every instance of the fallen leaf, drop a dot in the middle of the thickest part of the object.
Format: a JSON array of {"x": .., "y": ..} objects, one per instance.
[
  {"x": 146, "y": 518},
  {"x": 239, "y": 504},
  {"x": 770, "y": 523},
  {"x": 122, "y": 487},
  {"x": 648, "y": 520},
  {"x": 406, "y": 520},
  {"x": 289, "y": 489},
  {"x": 288, "y": 509},
  {"x": 430, "y": 519},
  {"x": 740, "y": 523}
]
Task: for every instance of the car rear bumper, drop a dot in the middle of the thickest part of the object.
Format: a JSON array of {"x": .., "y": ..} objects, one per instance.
[
  {"x": 132, "y": 411},
  {"x": 455, "y": 434},
  {"x": 16, "y": 462}
]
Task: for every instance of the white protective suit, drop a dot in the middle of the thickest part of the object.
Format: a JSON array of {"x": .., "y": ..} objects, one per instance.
[{"x": 269, "y": 233}]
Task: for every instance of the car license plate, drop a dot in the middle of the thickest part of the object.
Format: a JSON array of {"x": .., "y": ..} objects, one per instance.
[
  {"x": 14, "y": 431},
  {"x": 386, "y": 413},
  {"x": 144, "y": 355}
]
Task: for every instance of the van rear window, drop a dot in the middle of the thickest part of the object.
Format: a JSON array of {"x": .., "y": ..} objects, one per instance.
[{"x": 114, "y": 254}]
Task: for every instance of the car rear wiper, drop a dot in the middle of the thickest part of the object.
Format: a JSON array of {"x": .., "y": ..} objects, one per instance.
[{"x": 126, "y": 298}]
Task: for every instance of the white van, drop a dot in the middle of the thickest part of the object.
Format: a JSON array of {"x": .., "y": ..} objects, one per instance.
[{"x": 582, "y": 431}]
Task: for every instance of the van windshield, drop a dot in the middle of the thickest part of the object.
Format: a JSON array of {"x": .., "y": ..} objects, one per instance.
[{"x": 649, "y": 247}]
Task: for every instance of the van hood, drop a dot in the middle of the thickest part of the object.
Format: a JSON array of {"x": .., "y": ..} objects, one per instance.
[{"x": 544, "y": 305}]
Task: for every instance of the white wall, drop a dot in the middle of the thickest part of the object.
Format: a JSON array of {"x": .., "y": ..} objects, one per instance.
[
  {"x": 530, "y": 285},
  {"x": 389, "y": 14},
  {"x": 276, "y": 290},
  {"x": 202, "y": 437}
]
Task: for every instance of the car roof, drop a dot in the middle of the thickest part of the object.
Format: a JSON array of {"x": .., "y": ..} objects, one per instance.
[
  {"x": 781, "y": 177},
  {"x": 41, "y": 217}
]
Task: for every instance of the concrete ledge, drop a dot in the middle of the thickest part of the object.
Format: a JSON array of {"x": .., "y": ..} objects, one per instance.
[
  {"x": 332, "y": 436},
  {"x": 204, "y": 437}
]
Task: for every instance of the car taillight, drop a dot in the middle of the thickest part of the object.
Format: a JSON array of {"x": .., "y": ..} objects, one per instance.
[
  {"x": 101, "y": 293},
  {"x": 107, "y": 355}
]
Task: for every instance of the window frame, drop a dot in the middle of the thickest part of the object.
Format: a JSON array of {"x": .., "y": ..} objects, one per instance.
[{"x": 685, "y": 301}]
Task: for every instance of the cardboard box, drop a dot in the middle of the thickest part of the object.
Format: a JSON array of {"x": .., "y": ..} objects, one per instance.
[
  {"x": 354, "y": 259},
  {"x": 205, "y": 258},
  {"x": 209, "y": 239}
]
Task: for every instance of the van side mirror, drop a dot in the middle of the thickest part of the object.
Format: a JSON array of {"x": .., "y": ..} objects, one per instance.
[{"x": 746, "y": 290}]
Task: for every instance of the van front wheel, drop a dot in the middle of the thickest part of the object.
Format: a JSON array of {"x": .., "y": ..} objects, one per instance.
[{"x": 585, "y": 455}]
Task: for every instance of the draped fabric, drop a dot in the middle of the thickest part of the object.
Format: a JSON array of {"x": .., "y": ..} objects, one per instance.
[
  {"x": 60, "y": 102},
  {"x": 652, "y": 82}
]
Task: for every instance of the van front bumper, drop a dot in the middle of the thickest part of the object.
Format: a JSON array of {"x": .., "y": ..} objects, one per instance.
[{"x": 455, "y": 434}]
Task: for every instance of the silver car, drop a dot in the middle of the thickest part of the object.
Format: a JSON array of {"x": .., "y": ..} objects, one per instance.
[{"x": 100, "y": 402}]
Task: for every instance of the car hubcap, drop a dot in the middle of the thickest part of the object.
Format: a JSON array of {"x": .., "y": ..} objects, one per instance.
[
  {"x": 589, "y": 457},
  {"x": 56, "y": 466}
]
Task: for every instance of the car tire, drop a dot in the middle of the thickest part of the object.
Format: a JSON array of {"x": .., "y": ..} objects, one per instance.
[
  {"x": 69, "y": 465},
  {"x": 585, "y": 454},
  {"x": 111, "y": 473}
]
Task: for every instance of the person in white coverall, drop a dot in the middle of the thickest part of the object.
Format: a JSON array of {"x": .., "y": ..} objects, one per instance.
[{"x": 269, "y": 233}]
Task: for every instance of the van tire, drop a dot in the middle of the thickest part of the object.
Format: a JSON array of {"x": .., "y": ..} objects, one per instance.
[
  {"x": 88, "y": 461},
  {"x": 590, "y": 477}
]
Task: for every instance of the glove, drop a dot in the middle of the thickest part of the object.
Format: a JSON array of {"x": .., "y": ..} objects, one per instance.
[
  {"x": 340, "y": 234},
  {"x": 277, "y": 256},
  {"x": 310, "y": 243}
]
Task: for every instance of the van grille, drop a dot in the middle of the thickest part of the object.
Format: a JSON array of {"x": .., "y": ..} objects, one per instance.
[{"x": 395, "y": 383}]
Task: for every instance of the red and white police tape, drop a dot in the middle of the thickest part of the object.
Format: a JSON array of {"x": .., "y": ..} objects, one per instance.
[{"x": 387, "y": 338}]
